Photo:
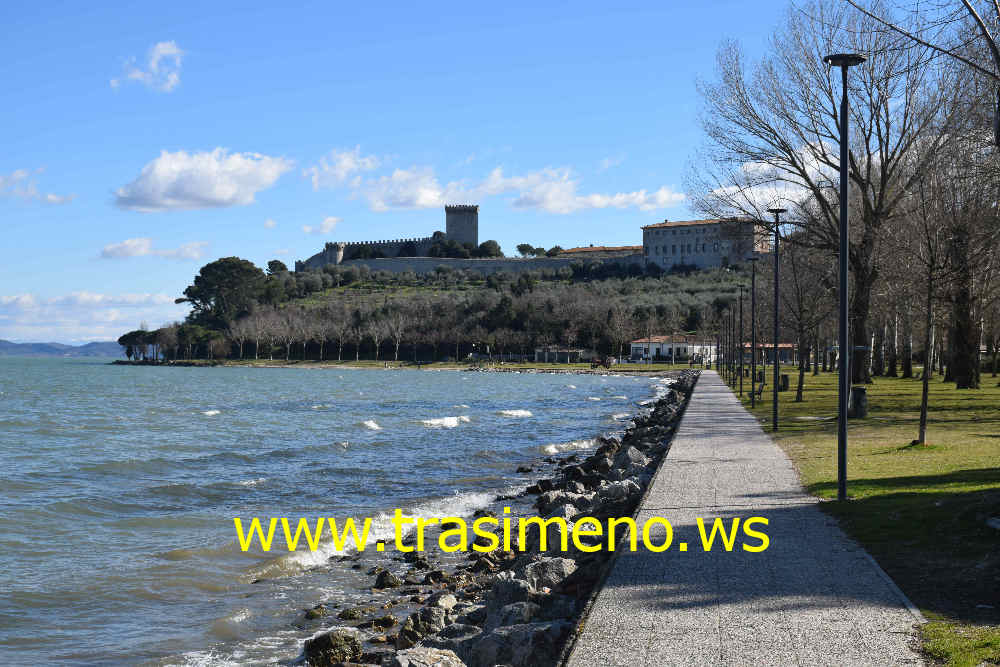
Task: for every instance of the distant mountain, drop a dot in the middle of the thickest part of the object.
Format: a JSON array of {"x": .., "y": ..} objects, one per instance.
[{"x": 103, "y": 349}]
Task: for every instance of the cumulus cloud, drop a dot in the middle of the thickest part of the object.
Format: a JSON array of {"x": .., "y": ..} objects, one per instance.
[
  {"x": 324, "y": 227},
  {"x": 338, "y": 166},
  {"x": 212, "y": 179},
  {"x": 140, "y": 247},
  {"x": 270, "y": 224},
  {"x": 553, "y": 190},
  {"x": 82, "y": 316},
  {"x": 161, "y": 71},
  {"x": 23, "y": 184}
]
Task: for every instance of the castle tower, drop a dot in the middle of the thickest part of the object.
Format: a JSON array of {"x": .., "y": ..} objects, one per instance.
[{"x": 462, "y": 223}]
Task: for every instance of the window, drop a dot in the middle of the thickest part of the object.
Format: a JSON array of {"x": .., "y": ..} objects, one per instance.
[{"x": 673, "y": 250}]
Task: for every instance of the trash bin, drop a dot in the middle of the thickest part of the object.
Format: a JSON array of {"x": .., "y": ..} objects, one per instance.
[
  {"x": 783, "y": 385},
  {"x": 858, "y": 406}
]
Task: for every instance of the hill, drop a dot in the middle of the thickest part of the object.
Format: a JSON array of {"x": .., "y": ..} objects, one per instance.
[{"x": 99, "y": 349}]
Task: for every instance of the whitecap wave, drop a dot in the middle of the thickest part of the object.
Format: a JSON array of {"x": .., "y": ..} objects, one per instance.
[
  {"x": 445, "y": 422},
  {"x": 459, "y": 504},
  {"x": 253, "y": 482},
  {"x": 571, "y": 386},
  {"x": 210, "y": 413},
  {"x": 372, "y": 424},
  {"x": 619, "y": 397},
  {"x": 461, "y": 405},
  {"x": 593, "y": 398},
  {"x": 573, "y": 445},
  {"x": 621, "y": 415},
  {"x": 516, "y": 413}
]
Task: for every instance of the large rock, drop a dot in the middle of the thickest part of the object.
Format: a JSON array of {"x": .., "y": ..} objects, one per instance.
[
  {"x": 513, "y": 614},
  {"x": 548, "y": 572},
  {"x": 425, "y": 657},
  {"x": 456, "y": 637},
  {"x": 331, "y": 648},
  {"x": 618, "y": 490},
  {"x": 387, "y": 579},
  {"x": 419, "y": 624},
  {"x": 520, "y": 645}
]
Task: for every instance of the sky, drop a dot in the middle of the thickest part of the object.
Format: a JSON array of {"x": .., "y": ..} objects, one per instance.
[{"x": 143, "y": 140}]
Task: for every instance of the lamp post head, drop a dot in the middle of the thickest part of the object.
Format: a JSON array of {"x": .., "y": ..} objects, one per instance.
[
  {"x": 776, "y": 211},
  {"x": 844, "y": 59}
]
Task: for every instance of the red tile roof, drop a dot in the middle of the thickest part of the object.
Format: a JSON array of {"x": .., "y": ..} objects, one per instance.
[{"x": 605, "y": 248}]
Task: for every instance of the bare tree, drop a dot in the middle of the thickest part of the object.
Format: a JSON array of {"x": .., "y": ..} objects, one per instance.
[{"x": 773, "y": 138}]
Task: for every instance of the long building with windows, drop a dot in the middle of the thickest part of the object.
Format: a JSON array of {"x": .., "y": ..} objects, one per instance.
[{"x": 700, "y": 244}]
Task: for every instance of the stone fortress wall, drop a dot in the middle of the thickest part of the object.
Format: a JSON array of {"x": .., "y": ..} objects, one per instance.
[
  {"x": 461, "y": 225},
  {"x": 421, "y": 265}
]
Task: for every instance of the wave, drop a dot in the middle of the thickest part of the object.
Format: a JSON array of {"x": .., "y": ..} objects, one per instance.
[
  {"x": 621, "y": 415},
  {"x": 620, "y": 397},
  {"x": 252, "y": 482},
  {"x": 593, "y": 398},
  {"x": 461, "y": 405},
  {"x": 445, "y": 422},
  {"x": 571, "y": 386},
  {"x": 210, "y": 413},
  {"x": 516, "y": 413},
  {"x": 458, "y": 505},
  {"x": 372, "y": 424},
  {"x": 569, "y": 446}
]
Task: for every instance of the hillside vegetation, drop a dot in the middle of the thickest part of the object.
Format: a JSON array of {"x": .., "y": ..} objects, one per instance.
[{"x": 241, "y": 311}]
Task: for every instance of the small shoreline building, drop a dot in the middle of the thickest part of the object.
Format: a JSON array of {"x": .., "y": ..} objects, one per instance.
[{"x": 679, "y": 347}]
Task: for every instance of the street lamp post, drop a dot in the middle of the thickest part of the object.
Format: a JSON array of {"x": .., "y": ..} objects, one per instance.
[
  {"x": 753, "y": 331},
  {"x": 843, "y": 61},
  {"x": 740, "y": 341},
  {"x": 774, "y": 390}
]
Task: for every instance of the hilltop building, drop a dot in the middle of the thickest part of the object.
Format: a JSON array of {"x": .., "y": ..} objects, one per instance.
[
  {"x": 461, "y": 225},
  {"x": 700, "y": 244}
]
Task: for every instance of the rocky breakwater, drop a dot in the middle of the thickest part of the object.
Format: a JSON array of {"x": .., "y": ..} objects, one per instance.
[{"x": 514, "y": 607}]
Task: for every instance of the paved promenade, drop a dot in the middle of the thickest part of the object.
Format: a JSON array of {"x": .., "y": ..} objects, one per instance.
[{"x": 812, "y": 598}]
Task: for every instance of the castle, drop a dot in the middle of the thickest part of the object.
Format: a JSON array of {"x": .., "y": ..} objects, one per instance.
[
  {"x": 689, "y": 244},
  {"x": 461, "y": 226}
]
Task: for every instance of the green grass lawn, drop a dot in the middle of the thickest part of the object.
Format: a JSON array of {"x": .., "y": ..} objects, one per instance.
[{"x": 921, "y": 511}]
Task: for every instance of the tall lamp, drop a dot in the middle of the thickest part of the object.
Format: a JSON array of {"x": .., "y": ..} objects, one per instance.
[
  {"x": 843, "y": 61},
  {"x": 774, "y": 390}
]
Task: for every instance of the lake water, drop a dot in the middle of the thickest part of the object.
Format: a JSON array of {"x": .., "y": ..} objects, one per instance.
[{"x": 119, "y": 486}]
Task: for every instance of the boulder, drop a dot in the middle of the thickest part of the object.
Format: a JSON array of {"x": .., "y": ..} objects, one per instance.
[
  {"x": 456, "y": 637},
  {"x": 419, "y": 624},
  {"x": 444, "y": 600},
  {"x": 331, "y": 648},
  {"x": 387, "y": 579},
  {"x": 514, "y": 614},
  {"x": 425, "y": 657},
  {"x": 547, "y": 572},
  {"x": 520, "y": 645},
  {"x": 472, "y": 615}
]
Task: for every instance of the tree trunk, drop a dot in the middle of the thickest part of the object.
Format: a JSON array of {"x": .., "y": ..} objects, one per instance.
[
  {"x": 964, "y": 341},
  {"x": 893, "y": 343},
  {"x": 340, "y": 348},
  {"x": 908, "y": 346},
  {"x": 878, "y": 350},
  {"x": 860, "y": 307},
  {"x": 803, "y": 365},
  {"x": 815, "y": 353},
  {"x": 928, "y": 345}
]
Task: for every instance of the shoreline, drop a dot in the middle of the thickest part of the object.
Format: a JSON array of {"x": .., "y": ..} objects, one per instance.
[
  {"x": 484, "y": 608},
  {"x": 639, "y": 370}
]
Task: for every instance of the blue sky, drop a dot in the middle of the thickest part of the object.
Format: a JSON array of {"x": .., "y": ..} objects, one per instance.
[{"x": 142, "y": 141}]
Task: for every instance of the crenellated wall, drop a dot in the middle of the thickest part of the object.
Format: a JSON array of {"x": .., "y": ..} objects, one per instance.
[
  {"x": 421, "y": 265},
  {"x": 339, "y": 252}
]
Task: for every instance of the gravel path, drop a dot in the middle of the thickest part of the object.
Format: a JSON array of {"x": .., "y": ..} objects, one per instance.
[{"x": 814, "y": 597}]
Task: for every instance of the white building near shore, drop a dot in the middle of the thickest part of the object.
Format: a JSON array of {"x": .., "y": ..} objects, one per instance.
[{"x": 678, "y": 346}]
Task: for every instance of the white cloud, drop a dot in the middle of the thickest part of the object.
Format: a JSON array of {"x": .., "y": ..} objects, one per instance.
[
  {"x": 270, "y": 224},
  {"x": 324, "y": 227},
  {"x": 82, "y": 316},
  {"x": 338, "y": 166},
  {"x": 213, "y": 179},
  {"x": 552, "y": 189},
  {"x": 140, "y": 247},
  {"x": 161, "y": 71},
  {"x": 23, "y": 184}
]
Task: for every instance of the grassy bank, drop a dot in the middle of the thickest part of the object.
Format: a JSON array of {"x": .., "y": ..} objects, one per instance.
[{"x": 921, "y": 511}]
